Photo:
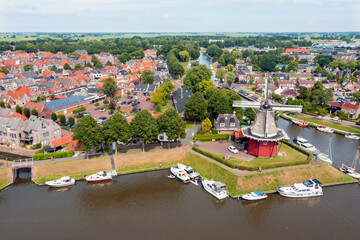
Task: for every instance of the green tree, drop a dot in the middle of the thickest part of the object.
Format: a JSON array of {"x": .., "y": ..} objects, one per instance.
[
  {"x": 147, "y": 76},
  {"x": 108, "y": 63},
  {"x": 62, "y": 118},
  {"x": 217, "y": 104},
  {"x": 250, "y": 114},
  {"x": 8, "y": 106},
  {"x": 206, "y": 125},
  {"x": 268, "y": 62},
  {"x": 251, "y": 81},
  {"x": 123, "y": 58},
  {"x": 195, "y": 107},
  {"x": 67, "y": 66},
  {"x": 28, "y": 67},
  {"x": 71, "y": 121},
  {"x": 54, "y": 116},
  {"x": 109, "y": 89},
  {"x": 144, "y": 126},
  {"x": 96, "y": 104},
  {"x": 171, "y": 124},
  {"x": 204, "y": 85},
  {"x": 89, "y": 65},
  {"x": 116, "y": 128},
  {"x": 106, "y": 101},
  {"x": 53, "y": 68},
  {"x": 88, "y": 132},
  {"x": 230, "y": 68},
  {"x": 2, "y": 104},
  {"x": 214, "y": 51},
  {"x": 342, "y": 115},
  {"x": 98, "y": 65},
  {"x": 78, "y": 67},
  {"x": 4, "y": 69},
  {"x": 195, "y": 76},
  {"x": 18, "y": 109},
  {"x": 162, "y": 94},
  {"x": 292, "y": 66},
  {"x": 220, "y": 73},
  {"x": 26, "y": 112},
  {"x": 230, "y": 78},
  {"x": 304, "y": 94}
]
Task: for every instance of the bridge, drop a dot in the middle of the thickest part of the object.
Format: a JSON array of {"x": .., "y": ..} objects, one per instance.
[{"x": 21, "y": 163}]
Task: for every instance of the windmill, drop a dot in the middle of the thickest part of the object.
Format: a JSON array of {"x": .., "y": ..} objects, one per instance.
[{"x": 263, "y": 134}]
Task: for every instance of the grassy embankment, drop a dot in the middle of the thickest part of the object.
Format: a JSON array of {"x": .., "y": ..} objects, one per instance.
[
  {"x": 335, "y": 126},
  {"x": 287, "y": 156},
  {"x": 5, "y": 177},
  {"x": 139, "y": 162}
]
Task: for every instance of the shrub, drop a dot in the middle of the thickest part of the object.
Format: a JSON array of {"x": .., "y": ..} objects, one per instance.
[
  {"x": 36, "y": 146},
  {"x": 97, "y": 104},
  {"x": 106, "y": 101},
  {"x": 43, "y": 156},
  {"x": 79, "y": 110},
  {"x": 210, "y": 137}
]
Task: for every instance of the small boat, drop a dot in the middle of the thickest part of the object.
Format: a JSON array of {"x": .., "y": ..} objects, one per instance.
[
  {"x": 304, "y": 144},
  {"x": 254, "y": 196},
  {"x": 217, "y": 189},
  {"x": 325, "y": 158},
  {"x": 300, "y": 123},
  {"x": 180, "y": 174},
  {"x": 351, "y": 171},
  {"x": 352, "y": 136},
  {"x": 309, "y": 188},
  {"x": 99, "y": 177},
  {"x": 62, "y": 182},
  {"x": 192, "y": 174},
  {"x": 171, "y": 176},
  {"x": 325, "y": 129}
]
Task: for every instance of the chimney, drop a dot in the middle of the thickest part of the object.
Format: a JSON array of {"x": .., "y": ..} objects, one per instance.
[{"x": 182, "y": 95}]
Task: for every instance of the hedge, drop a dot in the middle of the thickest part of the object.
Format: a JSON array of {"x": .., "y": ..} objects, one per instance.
[
  {"x": 298, "y": 148},
  {"x": 79, "y": 110},
  {"x": 210, "y": 137},
  {"x": 43, "y": 156}
]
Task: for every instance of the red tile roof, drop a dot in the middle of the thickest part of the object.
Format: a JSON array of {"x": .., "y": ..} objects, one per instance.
[
  {"x": 345, "y": 105},
  {"x": 61, "y": 141},
  {"x": 17, "y": 115},
  {"x": 297, "y": 50},
  {"x": 239, "y": 134},
  {"x": 75, "y": 145}
]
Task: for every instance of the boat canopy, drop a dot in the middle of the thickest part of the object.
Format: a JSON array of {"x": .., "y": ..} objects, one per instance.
[{"x": 259, "y": 193}]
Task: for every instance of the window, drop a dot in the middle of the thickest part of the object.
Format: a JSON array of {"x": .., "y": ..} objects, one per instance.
[{"x": 222, "y": 124}]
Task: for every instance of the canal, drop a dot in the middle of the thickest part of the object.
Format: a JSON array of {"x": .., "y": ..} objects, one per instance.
[
  {"x": 152, "y": 206},
  {"x": 204, "y": 59}
]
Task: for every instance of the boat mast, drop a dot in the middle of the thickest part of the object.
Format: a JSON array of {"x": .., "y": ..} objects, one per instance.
[{"x": 356, "y": 159}]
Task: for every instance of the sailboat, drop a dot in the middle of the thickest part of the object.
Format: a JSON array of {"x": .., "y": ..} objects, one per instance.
[
  {"x": 351, "y": 171},
  {"x": 324, "y": 157}
]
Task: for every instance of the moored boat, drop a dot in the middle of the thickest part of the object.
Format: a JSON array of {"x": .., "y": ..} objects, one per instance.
[
  {"x": 304, "y": 144},
  {"x": 300, "y": 123},
  {"x": 62, "y": 182},
  {"x": 254, "y": 196},
  {"x": 309, "y": 188},
  {"x": 217, "y": 189},
  {"x": 192, "y": 174},
  {"x": 325, "y": 158},
  {"x": 325, "y": 129},
  {"x": 99, "y": 177},
  {"x": 351, "y": 171},
  {"x": 180, "y": 174},
  {"x": 352, "y": 136}
]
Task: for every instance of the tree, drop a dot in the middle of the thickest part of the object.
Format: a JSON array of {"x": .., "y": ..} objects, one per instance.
[
  {"x": 78, "y": 67},
  {"x": 8, "y": 106},
  {"x": 62, "y": 118},
  {"x": 89, "y": 65},
  {"x": 26, "y": 112},
  {"x": 144, "y": 126},
  {"x": 163, "y": 93},
  {"x": 268, "y": 62},
  {"x": 230, "y": 78},
  {"x": 67, "y": 66},
  {"x": 195, "y": 76},
  {"x": 323, "y": 60},
  {"x": 251, "y": 81},
  {"x": 184, "y": 56},
  {"x": 53, "y": 68},
  {"x": 106, "y": 101},
  {"x": 116, "y": 128},
  {"x": 196, "y": 106},
  {"x": 110, "y": 88},
  {"x": 28, "y": 67},
  {"x": 250, "y": 114},
  {"x": 96, "y": 104},
  {"x": 54, "y": 116},
  {"x": 171, "y": 124},
  {"x": 4, "y": 69},
  {"x": 220, "y": 73},
  {"x": 204, "y": 85},
  {"x": 2, "y": 104},
  {"x": 147, "y": 76},
  {"x": 230, "y": 68},
  {"x": 88, "y": 132},
  {"x": 342, "y": 115},
  {"x": 217, "y": 104},
  {"x": 98, "y": 65},
  {"x": 71, "y": 121},
  {"x": 214, "y": 51},
  {"x": 276, "y": 97},
  {"x": 128, "y": 92},
  {"x": 18, "y": 109},
  {"x": 123, "y": 58},
  {"x": 292, "y": 66},
  {"x": 108, "y": 63},
  {"x": 304, "y": 94},
  {"x": 206, "y": 125}
]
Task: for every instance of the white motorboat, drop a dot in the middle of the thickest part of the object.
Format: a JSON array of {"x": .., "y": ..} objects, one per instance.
[
  {"x": 352, "y": 136},
  {"x": 325, "y": 158},
  {"x": 304, "y": 144},
  {"x": 217, "y": 189},
  {"x": 309, "y": 188},
  {"x": 180, "y": 174},
  {"x": 62, "y": 182},
  {"x": 254, "y": 196},
  {"x": 99, "y": 177},
  {"x": 325, "y": 129},
  {"x": 192, "y": 174}
]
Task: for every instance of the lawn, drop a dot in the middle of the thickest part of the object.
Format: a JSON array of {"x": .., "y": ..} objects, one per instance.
[
  {"x": 329, "y": 124},
  {"x": 190, "y": 124},
  {"x": 184, "y": 64},
  {"x": 163, "y": 108},
  {"x": 288, "y": 156},
  {"x": 5, "y": 177}
]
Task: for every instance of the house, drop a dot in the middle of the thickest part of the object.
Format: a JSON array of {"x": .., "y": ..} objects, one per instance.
[
  {"x": 179, "y": 98},
  {"x": 288, "y": 94},
  {"x": 10, "y": 130},
  {"x": 286, "y": 84},
  {"x": 58, "y": 143},
  {"x": 347, "y": 85},
  {"x": 299, "y": 76},
  {"x": 145, "y": 89},
  {"x": 67, "y": 105},
  {"x": 22, "y": 95},
  {"x": 305, "y": 83},
  {"x": 226, "y": 123},
  {"x": 352, "y": 110},
  {"x": 150, "y": 53},
  {"x": 296, "y": 51},
  {"x": 42, "y": 110},
  {"x": 75, "y": 145},
  {"x": 319, "y": 76}
]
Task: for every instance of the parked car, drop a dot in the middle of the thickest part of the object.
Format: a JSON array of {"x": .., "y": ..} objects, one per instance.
[
  {"x": 126, "y": 114},
  {"x": 357, "y": 123},
  {"x": 87, "y": 113},
  {"x": 335, "y": 119},
  {"x": 148, "y": 99},
  {"x": 130, "y": 97},
  {"x": 102, "y": 118},
  {"x": 233, "y": 149},
  {"x": 102, "y": 110},
  {"x": 111, "y": 112},
  {"x": 80, "y": 116}
]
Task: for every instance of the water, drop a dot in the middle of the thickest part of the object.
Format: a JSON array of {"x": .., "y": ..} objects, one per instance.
[
  {"x": 151, "y": 206},
  {"x": 204, "y": 59}
]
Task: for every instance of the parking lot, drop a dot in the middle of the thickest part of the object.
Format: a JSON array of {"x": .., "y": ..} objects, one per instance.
[{"x": 222, "y": 148}]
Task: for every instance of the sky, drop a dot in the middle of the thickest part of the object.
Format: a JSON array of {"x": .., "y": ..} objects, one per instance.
[{"x": 179, "y": 15}]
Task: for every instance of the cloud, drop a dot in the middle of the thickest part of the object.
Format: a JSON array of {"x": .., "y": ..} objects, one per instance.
[{"x": 166, "y": 16}]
